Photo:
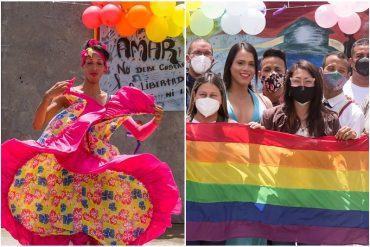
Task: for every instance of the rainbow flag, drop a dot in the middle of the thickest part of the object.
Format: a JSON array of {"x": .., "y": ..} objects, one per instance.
[{"x": 260, "y": 183}]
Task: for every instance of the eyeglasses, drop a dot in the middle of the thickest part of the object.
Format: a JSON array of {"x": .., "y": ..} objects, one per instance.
[
  {"x": 199, "y": 53},
  {"x": 297, "y": 81}
]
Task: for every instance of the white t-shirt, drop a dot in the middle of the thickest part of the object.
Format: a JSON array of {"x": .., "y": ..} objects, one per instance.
[
  {"x": 352, "y": 115},
  {"x": 357, "y": 94}
]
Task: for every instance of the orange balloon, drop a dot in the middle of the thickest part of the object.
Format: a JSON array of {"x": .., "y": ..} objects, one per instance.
[
  {"x": 128, "y": 5},
  {"x": 124, "y": 28},
  {"x": 139, "y": 16}
]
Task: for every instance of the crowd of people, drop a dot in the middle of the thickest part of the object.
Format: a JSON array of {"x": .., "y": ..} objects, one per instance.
[{"x": 310, "y": 101}]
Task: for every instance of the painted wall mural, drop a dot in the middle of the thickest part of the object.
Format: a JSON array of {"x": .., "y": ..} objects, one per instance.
[
  {"x": 294, "y": 30},
  {"x": 155, "y": 68}
]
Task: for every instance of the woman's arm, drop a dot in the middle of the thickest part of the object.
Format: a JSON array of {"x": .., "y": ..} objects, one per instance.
[
  {"x": 50, "y": 105},
  {"x": 141, "y": 132}
]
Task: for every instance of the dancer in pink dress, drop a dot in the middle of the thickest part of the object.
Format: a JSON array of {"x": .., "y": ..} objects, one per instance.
[{"x": 72, "y": 185}]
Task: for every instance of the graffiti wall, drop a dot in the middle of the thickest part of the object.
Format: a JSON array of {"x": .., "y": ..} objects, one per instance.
[
  {"x": 155, "y": 68},
  {"x": 294, "y": 30}
]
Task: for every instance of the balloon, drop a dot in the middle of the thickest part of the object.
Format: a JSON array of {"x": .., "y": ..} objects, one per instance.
[
  {"x": 128, "y": 5},
  {"x": 350, "y": 24},
  {"x": 178, "y": 16},
  {"x": 187, "y": 18},
  {"x": 213, "y": 10},
  {"x": 157, "y": 29},
  {"x": 230, "y": 24},
  {"x": 258, "y": 4},
  {"x": 360, "y": 6},
  {"x": 192, "y": 5},
  {"x": 124, "y": 28},
  {"x": 325, "y": 16},
  {"x": 236, "y": 8},
  {"x": 199, "y": 24},
  {"x": 162, "y": 8},
  {"x": 91, "y": 17},
  {"x": 99, "y": 4},
  {"x": 138, "y": 16},
  {"x": 110, "y": 14},
  {"x": 173, "y": 29},
  {"x": 342, "y": 9},
  {"x": 252, "y": 22}
]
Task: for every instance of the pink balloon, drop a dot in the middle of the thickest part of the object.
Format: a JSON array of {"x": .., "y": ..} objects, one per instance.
[
  {"x": 350, "y": 24},
  {"x": 110, "y": 14},
  {"x": 91, "y": 17},
  {"x": 325, "y": 16}
]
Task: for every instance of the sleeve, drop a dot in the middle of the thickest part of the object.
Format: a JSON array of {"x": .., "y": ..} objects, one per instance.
[
  {"x": 140, "y": 132},
  {"x": 335, "y": 126},
  {"x": 357, "y": 121},
  {"x": 267, "y": 118}
]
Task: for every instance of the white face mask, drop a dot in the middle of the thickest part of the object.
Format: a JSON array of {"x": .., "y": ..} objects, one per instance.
[
  {"x": 201, "y": 64},
  {"x": 207, "y": 106}
]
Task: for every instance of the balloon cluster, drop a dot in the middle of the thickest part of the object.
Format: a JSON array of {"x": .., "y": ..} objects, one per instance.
[
  {"x": 248, "y": 16},
  {"x": 159, "y": 19},
  {"x": 343, "y": 13}
]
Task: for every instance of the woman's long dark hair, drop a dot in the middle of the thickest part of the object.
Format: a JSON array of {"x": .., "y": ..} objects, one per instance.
[
  {"x": 315, "y": 119},
  {"x": 209, "y": 77},
  {"x": 230, "y": 59}
]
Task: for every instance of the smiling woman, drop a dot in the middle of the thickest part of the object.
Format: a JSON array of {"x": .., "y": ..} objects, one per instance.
[{"x": 243, "y": 104}]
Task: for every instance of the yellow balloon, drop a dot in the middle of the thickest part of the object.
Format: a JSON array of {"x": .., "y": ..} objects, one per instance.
[
  {"x": 157, "y": 29},
  {"x": 162, "y": 8},
  {"x": 178, "y": 15},
  {"x": 173, "y": 29},
  {"x": 187, "y": 18},
  {"x": 192, "y": 5}
]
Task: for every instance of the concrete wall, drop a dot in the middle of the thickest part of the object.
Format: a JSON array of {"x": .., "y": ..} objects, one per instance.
[{"x": 41, "y": 44}]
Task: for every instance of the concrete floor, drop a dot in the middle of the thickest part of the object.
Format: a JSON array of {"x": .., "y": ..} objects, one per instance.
[{"x": 173, "y": 236}]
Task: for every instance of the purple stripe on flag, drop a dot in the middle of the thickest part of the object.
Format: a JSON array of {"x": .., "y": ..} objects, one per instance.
[{"x": 287, "y": 233}]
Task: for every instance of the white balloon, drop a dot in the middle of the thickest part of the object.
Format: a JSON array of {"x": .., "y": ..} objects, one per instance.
[
  {"x": 350, "y": 24},
  {"x": 360, "y": 6},
  {"x": 230, "y": 24},
  {"x": 258, "y": 4},
  {"x": 325, "y": 16},
  {"x": 343, "y": 9},
  {"x": 236, "y": 8},
  {"x": 253, "y": 21},
  {"x": 200, "y": 24},
  {"x": 213, "y": 10}
]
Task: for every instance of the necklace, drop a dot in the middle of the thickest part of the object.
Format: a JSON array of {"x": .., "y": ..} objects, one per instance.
[{"x": 302, "y": 128}]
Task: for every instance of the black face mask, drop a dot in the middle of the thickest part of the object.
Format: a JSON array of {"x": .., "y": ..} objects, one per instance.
[
  {"x": 302, "y": 94},
  {"x": 362, "y": 66}
]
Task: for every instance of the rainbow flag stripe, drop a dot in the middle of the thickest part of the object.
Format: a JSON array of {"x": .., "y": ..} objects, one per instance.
[{"x": 259, "y": 183}]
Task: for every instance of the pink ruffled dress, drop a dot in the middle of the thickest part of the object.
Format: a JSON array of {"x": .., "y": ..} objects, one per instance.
[{"x": 73, "y": 185}]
